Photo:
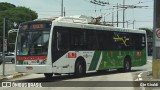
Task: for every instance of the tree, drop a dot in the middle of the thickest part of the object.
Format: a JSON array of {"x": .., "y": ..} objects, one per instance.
[
  {"x": 15, "y": 16},
  {"x": 6, "y": 6},
  {"x": 148, "y": 31}
]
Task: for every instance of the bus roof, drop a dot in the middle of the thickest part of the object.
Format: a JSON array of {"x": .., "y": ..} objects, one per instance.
[
  {"x": 65, "y": 19},
  {"x": 60, "y": 22},
  {"x": 83, "y": 23}
]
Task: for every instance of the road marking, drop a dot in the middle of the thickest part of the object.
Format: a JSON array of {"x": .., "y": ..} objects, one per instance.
[
  {"x": 139, "y": 75},
  {"x": 136, "y": 79},
  {"x": 140, "y": 79}
]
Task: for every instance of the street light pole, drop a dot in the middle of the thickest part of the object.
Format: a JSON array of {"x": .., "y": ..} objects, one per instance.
[
  {"x": 112, "y": 16},
  {"x": 117, "y": 15},
  {"x": 123, "y": 13},
  {"x": 134, "y": 24},
  {"x": 3, "y": 56},
  {"x": 62, "y": 8}
]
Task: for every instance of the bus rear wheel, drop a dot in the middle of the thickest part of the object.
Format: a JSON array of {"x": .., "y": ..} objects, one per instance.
[
  {"x": 48, "y": 75},
  {"x": 80, "y": 69},
  {"x": 127, "y": 66}
]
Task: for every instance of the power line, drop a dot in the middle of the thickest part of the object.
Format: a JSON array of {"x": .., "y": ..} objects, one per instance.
[
  {"x": 101, "y": 3},
  {"x": 144, "y": 21},
  {"x": 75, "y": 10}
]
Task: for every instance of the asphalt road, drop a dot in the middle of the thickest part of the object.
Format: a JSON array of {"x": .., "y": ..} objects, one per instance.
[{"x": 91, "y": 81}]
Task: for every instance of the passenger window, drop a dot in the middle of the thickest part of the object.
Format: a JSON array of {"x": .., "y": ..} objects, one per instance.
[{"x": 63, "y": 40}]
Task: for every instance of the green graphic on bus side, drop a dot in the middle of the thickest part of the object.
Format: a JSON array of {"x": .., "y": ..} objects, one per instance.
[
  {"x": 95, "y": 60},
  {"x": 123, "y": 39},
  {"x": 115, "y": 59}
]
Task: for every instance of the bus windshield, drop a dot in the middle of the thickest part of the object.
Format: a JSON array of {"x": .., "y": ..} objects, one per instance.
[{"x": 33, "y": 39}]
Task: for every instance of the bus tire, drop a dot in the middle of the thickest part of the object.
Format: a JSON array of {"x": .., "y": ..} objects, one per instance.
[
  {"x": 13, "y": 61},
  {"x": 127, "y": 65},
  {"x": 80, "y": 68},
  {"x": 48, "y": 75}
]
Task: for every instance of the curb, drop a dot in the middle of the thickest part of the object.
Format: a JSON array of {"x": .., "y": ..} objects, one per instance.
[
  {"x": 13, "y": 76},
  {"x": 141, "y": 78},
  {"x": 147, "y": 76}
]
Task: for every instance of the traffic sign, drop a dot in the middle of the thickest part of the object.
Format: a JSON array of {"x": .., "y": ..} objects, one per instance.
[{"x": 157, "y": 35}]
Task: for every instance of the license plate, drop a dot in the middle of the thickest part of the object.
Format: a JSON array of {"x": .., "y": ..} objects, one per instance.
[
  {"x": 34, "y": 61},
  {"x": 29, "y": 68}
]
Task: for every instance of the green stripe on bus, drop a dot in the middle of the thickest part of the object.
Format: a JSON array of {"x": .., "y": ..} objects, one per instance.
[{"x": 95, "y": 60}]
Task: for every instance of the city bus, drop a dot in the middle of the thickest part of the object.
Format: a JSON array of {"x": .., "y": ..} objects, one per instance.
[{"x": 66, "y": 45}]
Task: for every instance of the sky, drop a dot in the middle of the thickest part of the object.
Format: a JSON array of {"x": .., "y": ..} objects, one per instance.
[{"x": 142, "y": 17}]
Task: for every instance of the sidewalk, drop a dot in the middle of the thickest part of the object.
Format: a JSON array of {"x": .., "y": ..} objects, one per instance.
[
  {"x": 9, "y": 72},
  {"x": 147, "y": 76},
  {"x": 11, "y": 76}
]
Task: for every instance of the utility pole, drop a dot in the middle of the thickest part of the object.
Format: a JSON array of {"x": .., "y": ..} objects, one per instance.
[
  {"x": 124, "y": 7},
  {"x": 127, "y": 24},
  {"x": 62, "y": 8},
  {"x": 117, "y": 15},
  {"x": 112, "y": 16},
  {"x": 156, "y": 40},
  {"x": 133, "y": 24},
  {"x": 104, "y": 20},
  {"x": 4, "y": 45},
  {"x": 123, "y": 13},
  {"x": 64, "y": 11}
]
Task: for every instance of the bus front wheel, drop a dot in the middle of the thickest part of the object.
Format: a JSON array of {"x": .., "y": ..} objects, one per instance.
[
  {"x": 13, "y": 61},
  {"x": 48, "y": 75},
  {"x": 80, "y": 68}
]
